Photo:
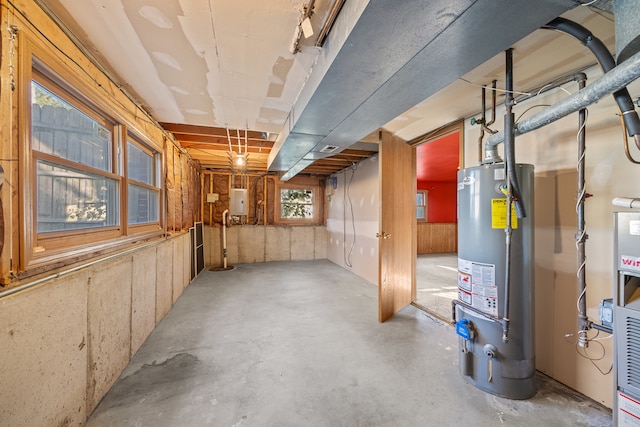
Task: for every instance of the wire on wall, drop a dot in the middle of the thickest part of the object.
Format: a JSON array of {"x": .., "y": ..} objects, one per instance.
[{"x": 347, "y": 199}]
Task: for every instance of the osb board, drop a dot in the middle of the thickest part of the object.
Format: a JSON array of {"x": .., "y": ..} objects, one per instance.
[
  {"x": 186, "y": 260},
  {"x": 143, "y": 296},
  {"x": 43, "y": 368},
  {"x": 164, "y": 279},
  {"x": 109, "y": 326},
  {"x": 178, "y": 268}
]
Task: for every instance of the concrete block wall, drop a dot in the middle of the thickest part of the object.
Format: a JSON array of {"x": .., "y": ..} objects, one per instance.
[
  {"x": 258, "y": 243},
  {"x": 66, "y": 341}
]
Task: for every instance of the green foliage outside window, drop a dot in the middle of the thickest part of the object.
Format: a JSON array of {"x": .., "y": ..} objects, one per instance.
[{"x": 296, "y": 204}]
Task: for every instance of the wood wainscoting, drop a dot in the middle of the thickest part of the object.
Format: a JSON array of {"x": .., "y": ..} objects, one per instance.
[{"x": 435, "y": 238}]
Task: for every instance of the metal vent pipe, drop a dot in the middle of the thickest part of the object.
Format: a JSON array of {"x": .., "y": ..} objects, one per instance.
[
  {"x": 627, "y": 16},
  {"x": 607, "y": 63},
  {"x": 612, "y": 81}
]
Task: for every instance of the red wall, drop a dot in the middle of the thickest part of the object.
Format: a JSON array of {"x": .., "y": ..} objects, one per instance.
[
  {"x": 437, "y": 167},
  {"x": 442, "y": 199}
]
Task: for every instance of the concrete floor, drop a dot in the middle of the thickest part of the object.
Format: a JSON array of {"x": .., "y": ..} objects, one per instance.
[
  {"x": 298, "y": 344},
  {"x": 437, "y": 283}
]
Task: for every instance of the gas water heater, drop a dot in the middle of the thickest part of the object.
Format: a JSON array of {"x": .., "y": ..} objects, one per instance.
[{"x": 494, "y": 322}]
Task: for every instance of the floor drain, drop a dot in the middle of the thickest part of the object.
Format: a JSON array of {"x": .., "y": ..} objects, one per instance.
[{"x": 228, "y": 268}]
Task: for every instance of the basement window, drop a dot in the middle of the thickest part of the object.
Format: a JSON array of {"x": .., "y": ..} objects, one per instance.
[
  {"x": 143, "y": 189},
  {"x": 91, "y": 185},
  {"x": 297, "y": 204},
  {"x": 72, "y": 147}
]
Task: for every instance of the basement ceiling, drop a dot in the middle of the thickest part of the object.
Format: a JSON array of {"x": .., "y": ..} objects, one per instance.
[{"x": 221, "y": 76}]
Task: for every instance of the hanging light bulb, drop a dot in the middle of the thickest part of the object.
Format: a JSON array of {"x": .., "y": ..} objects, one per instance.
[{"x": 240, "y": 159}]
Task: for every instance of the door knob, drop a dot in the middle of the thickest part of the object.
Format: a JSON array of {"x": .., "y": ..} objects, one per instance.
[{"x": 383, "y": 235}]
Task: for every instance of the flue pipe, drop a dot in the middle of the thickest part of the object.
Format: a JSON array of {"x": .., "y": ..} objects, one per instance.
[{"x": 617, "y": 78}]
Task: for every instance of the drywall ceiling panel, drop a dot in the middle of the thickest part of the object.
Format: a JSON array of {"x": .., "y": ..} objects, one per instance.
[{"x": 218, "y": 63}]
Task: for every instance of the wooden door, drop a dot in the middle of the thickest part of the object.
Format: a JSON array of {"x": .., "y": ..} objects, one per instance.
[{"x": 397, "y": 234}]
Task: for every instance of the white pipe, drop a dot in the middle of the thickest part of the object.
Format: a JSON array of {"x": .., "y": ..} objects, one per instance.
[
  {"x": 229, "y": 140},
  {"x": 224, "y": 237},
  {"x": 626, "y": 202}
]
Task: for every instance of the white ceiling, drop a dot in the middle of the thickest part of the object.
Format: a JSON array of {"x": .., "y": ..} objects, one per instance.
[
  {"x": 223, "y": 63},
  {"x": 228, "y": 64}
]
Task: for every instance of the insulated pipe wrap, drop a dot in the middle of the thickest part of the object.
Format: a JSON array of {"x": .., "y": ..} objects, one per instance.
[
  {"x": 607, "y": 63},
  {"x": 613, "y": 80}
]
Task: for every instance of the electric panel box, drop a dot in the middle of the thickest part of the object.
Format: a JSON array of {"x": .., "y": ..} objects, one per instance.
[{"x": 239, "y": 201}]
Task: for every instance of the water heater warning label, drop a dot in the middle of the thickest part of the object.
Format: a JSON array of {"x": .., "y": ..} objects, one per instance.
[
  {"x": 499, "y": 214},
  {"x": 477, "y": 285}
]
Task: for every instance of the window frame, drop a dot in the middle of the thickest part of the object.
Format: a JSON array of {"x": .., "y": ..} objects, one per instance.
[
  {"x": 313, "y": 220},
  {"x": 156, "y": 159},
  {"x": 38, "y": 252},
  {"x": 48, "y": 241},
  {"x": 424, "y": 205}
]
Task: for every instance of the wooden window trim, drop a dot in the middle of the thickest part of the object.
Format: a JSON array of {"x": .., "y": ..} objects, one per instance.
[
  {"x": 40, "y": 252},
  {"x": 157, "y": 186},
  {"x": 315, "y": 220}
]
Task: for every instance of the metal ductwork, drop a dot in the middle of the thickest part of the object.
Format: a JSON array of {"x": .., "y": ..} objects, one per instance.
[
  {"x": 627, "y": 15},
  {"x": 382, "y": 58}
]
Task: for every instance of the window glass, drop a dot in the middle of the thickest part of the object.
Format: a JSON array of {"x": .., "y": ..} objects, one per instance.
[
  {"x": 143, "y": 205},
  {"x": 143, "y": 194},
  {"x": 60, "y": 129},
  {"x": 140, "y": 164},
  {"x": 421, "y": 205},
  {"x": 69, "y": 199},
  {"x": 296, "y": 203}
]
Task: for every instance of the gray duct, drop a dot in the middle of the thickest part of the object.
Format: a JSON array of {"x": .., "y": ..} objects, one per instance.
[{"x": 627, "y": 16}]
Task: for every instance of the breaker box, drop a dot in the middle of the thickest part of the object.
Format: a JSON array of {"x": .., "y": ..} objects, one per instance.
[{"x": 239, "y": 201}]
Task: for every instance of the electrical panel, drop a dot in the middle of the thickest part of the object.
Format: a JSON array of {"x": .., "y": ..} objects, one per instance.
[{"x": 239, "y": 201}]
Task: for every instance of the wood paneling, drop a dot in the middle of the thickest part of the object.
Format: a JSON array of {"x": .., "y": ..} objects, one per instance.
[
  {"x": 397, "y": 241},
  {"x": 436, "y": 238}
]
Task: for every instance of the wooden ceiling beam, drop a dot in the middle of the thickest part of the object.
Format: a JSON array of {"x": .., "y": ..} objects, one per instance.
[
  {"x": 223, "y": 148},
  {"x": 214, "y": 139},
  {"x": 177, "y": 128}
]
